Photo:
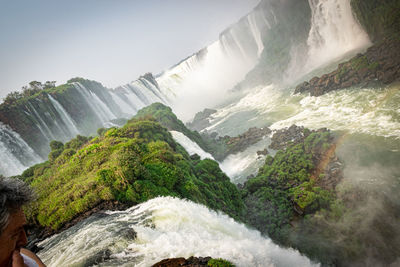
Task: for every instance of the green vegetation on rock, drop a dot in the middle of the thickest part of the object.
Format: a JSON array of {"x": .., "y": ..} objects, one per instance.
[
  {"x": 168, "y": 119},
  {"x": 130, "y": 165},
  {"x": 284, "y": 187},
  {"x": 219, "y": 263}
]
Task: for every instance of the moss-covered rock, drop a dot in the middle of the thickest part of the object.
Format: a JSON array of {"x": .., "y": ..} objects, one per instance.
[
  {"x": 291, "y": 184},
  {"x": 130, "y": 165},
  {"x": 164, "y": 115}
]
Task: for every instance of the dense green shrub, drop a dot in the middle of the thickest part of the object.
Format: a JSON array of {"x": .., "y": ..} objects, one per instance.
[
  {"x": 56, "y": 145},
  {"x": 219, "y": 263},
  {"x": 284, "y": 187},
  {"x": 168, "y": 119}
]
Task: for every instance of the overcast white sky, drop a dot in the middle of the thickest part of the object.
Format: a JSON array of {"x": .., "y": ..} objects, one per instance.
[{"x": 111, "y": 41}]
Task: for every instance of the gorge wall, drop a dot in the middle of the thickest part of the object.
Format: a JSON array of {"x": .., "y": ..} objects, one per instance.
[{"x": 79, "y": 107}]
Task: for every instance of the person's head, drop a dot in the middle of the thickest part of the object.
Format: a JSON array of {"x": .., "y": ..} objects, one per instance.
[{"x": 13, "y": 195}]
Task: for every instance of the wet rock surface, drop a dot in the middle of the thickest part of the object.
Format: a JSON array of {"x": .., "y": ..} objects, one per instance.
[
  {"x": 246, "y": 139},
  {"x": 262, "y": 152},
  {"x": 222, "y": 146},
  {"x": 380, "y": 63},
  {"x": 282, "y": 138},
  {"x": 201, "y": 120}
]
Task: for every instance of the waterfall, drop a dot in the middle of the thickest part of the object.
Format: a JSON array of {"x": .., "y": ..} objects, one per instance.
[
  {"x": 255, "y": 30},
  {"x": 100, "y": 109},
  {"x": 145, "y": 91},
  {"x": 204, "y": 78},
  {"x": 334, "y": 32},
  {"x": 138, "y": 94},
  {"x": 166, "y": 227},
  {"x": 15, "y": 153},
  {"x": 206, "y": 85},
  {"x": 190, "y": 146},
  {"x": 122, "y": 100},
  {"x": 241, "y": 165},
  {"x": 67, "y": 120},
  {"x": 46, "y": 119},
  {"x": 154, "y": 90},
  {"x": 41, "y": 124}
]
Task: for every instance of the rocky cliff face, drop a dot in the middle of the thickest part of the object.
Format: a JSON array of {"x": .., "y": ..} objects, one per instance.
[{"x": 381, "y": 63}]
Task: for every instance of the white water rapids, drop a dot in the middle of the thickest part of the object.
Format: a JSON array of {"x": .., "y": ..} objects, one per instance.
[
  {"x": 374, "y": 111},
  {"x": 166, "y": 227}
]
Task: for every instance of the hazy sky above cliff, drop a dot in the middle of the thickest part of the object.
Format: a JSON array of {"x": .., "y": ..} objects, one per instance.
[{"x": 111, "y": 41}]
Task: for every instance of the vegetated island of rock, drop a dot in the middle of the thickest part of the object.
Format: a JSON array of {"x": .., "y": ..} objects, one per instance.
[
  {"x": 121, "y": 168},
  {"x": 193, "y": 262}
]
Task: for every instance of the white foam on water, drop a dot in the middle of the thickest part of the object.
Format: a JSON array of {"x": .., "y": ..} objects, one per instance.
[
  {"x": 370, "y": 111},
  {"x": 167, "y": 227},
  {"x": 240, "y": 165},
  {"x": 374, "y": 111}
]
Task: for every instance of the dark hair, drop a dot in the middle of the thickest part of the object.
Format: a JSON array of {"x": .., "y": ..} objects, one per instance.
[{"x": 14, "y": 193}]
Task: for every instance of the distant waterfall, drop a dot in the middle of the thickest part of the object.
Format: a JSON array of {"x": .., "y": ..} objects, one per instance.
[
  {"x": 15, "y": 153},
  {"x": 138, "y": 94},
  {"x": 190, "y": 146},
  {"x": 127, "y": 102},
  {"x": 166, "y": 227},
  {"x": 204, "y": 78},
  {"x": 255, "y": 30},
  {"x": 99, "y": 108},
  {"x": 41, "y": 125},
  {"x": 67, "y": 120},
  {"x": 53, "y": 117}
]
